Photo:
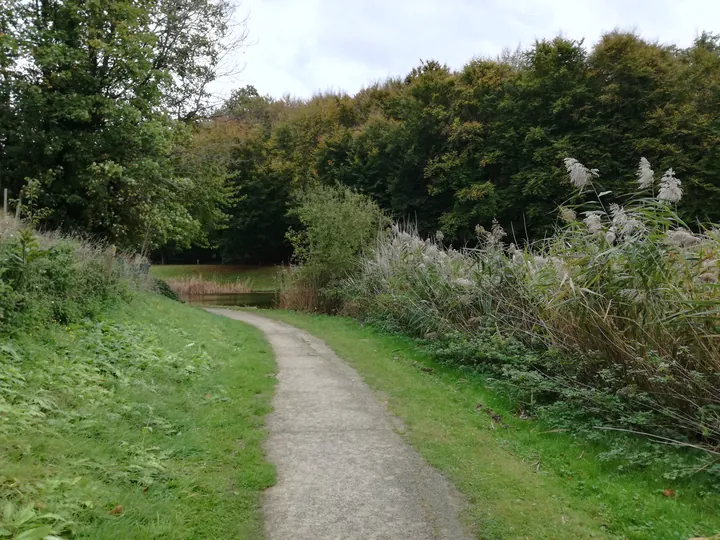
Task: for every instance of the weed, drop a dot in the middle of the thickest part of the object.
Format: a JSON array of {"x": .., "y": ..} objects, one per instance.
[{"x": 146, "y": 423}]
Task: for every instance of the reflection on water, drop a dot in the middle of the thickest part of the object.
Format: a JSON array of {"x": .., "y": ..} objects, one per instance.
[{"x": 264, "y": 299}]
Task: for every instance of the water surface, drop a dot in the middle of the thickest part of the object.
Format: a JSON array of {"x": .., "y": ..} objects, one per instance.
[{"x": 264, "y": 299}]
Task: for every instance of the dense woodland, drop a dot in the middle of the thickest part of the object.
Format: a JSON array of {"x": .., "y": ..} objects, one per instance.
[
  {"x": 450, "y": 150},
  {"x": 98, "y": 102},
  {"x": 107, "y": 128}
]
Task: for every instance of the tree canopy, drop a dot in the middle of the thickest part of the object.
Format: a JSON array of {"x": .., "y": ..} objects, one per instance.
[
  {"x": 106, "y": 128},
  {"x": 92, "y": 94},
  {"x": 452, "y": 149}
]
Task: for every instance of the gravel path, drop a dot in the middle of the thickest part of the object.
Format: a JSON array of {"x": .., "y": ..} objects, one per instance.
[{"x": 343, "y": 470}]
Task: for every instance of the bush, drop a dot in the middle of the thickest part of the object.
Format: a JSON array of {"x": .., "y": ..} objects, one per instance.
[
  {"x": 45, "y": 277},
  {"x": 616, "y": 314},
  {"x": 161, "y": 286},
  {"x": 338, "y": 224}
]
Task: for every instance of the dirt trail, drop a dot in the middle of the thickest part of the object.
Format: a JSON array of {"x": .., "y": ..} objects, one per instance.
[{"x": 343, "y": 470}]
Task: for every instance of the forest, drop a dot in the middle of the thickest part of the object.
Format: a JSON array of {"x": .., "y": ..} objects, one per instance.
[
  {"x": 451, "y": 150},
  {"x": 107, "y": 129}
]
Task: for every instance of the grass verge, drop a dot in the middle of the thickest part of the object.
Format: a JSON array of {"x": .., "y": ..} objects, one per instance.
[
  {"x": 144, "y": 424},
  {"x": 522, "y": 479},
  {"x": 259, "y": 278}
]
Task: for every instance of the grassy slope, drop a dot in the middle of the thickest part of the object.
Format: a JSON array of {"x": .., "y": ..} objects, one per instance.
[
  {"x": 152, "y": 428},
  {"x": 262, "y": 278},
  {"x": 521, "y": 481}
]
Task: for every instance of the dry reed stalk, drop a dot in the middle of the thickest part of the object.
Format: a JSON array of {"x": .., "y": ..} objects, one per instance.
[
  {"x": 299, "y": 297},
  {"x": 197, "y": 285}
]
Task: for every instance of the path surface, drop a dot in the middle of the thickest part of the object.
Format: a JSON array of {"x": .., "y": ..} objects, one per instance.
[{"x": 343, "y": 470}]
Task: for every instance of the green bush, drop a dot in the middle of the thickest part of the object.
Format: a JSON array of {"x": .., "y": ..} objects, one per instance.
[
  {"x": 161, "y": 287},
  {"x": 615, "y": 317},
  {"x": 44, "y": 277},
  {"x": 337, "y": 225}
]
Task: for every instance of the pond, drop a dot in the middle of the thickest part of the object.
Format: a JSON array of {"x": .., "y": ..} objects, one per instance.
[{"x": 262, "y": 299}]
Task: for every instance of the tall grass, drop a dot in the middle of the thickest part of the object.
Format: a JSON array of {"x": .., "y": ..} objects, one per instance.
[
  {"x": 46, "y": 276},
  {"x": 299, "y": 291},
  {"x": 198, "y": 285},
  {"x": 615, "y": 317}
]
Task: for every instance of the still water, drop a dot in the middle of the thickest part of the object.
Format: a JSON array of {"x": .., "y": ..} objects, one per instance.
[{"x": 262, "y": 299}]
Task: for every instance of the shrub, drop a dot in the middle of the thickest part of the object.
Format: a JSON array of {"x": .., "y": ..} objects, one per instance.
[
  {"x": 617, "y": 313},
  {"x": 337, "y": 225},
  {"x": 46, "y": 277},
  {"x": 161, "y": 286}
]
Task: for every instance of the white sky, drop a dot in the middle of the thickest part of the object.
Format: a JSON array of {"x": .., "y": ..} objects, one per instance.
[{"x": 300, "y": 47}]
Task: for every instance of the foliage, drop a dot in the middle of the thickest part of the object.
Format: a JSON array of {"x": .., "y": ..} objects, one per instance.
[
  {"x": 47, "y": 277},
  {"x": 504, "y": 462},
  {"x": 450, "y": 149},
  {"x": 25, "y": 524},
  {"x": 614, "y": 319},
  {"x": 259, "y": 217},
  {"x": 87, "y": 103},
  {"x": 145, "y": 423},
  {"x": 338, "y": 224},
  {"x": 161, "y": 286}
]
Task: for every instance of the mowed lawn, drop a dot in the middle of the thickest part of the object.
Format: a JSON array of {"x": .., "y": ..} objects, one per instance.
[
  {"x": 523, "y": 479},
  {"x": 260, "y": 278},
  {"x": 145, "y": 424}
]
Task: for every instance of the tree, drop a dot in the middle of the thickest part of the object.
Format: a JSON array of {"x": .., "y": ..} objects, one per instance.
[
  {"x": 94, "y": 91},
  {"x": 259, "y": 218},
  {"x": 451, "y": 150}
]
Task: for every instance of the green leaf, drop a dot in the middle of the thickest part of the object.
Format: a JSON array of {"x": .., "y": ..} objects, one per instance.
[{"x": 38, "y": 533}]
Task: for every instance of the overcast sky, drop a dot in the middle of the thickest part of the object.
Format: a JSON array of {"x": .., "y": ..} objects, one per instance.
[{"x": 300, "y": 47}]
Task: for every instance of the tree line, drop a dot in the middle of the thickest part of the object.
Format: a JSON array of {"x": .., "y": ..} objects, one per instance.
[
  {"x": 448, "y": 150},
  {"x": 107, "y": 129}
]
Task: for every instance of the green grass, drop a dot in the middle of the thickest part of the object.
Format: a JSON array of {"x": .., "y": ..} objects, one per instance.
[
  {"x": 523, "y": 480},
  {"x": 260, "y": 278},
  {"x": 146, "y": 424}
]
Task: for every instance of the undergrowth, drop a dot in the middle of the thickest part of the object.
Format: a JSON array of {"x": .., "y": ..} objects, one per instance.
[
  {"x": 143, "y": 424},
  {"x": 47, "y": 277},
  {"x": 122, "y": 414},
  {"x": 612, "y": 323}
]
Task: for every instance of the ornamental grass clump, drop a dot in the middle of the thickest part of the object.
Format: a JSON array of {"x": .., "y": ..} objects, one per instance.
[
  {"x": 638, "y": 294},
  {"x": 618, "y": 311}
]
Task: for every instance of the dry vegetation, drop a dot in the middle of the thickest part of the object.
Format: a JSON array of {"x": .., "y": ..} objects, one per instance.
[
  {"x": 614, "y": 317},
  {"x": 198, "y": 285},
  {"x": 610, "y": 322}
]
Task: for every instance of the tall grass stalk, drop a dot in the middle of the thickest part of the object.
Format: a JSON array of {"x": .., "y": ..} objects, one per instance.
[
  {"x": 197, "y": 285},
  {"x": 618, "y": 311}
]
